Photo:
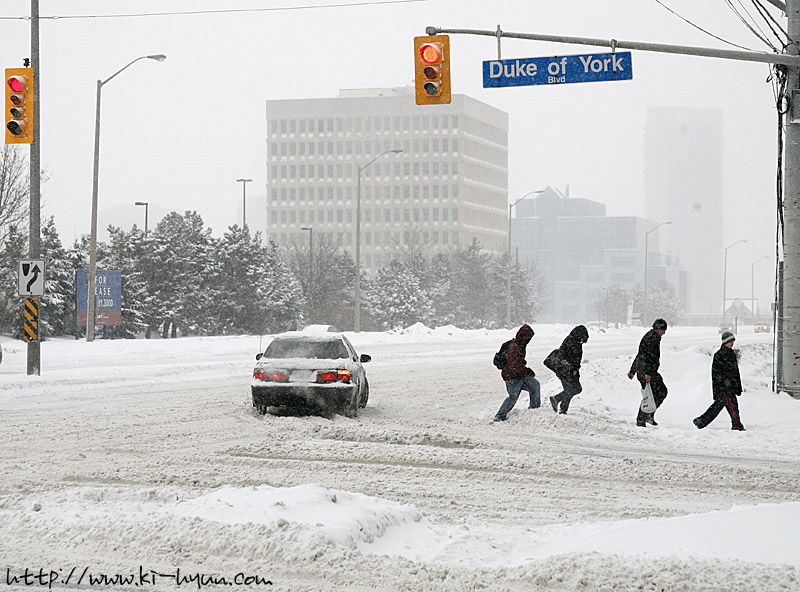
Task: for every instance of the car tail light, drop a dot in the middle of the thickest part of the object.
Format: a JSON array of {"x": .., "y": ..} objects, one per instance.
[
  {"x": 334, "y": 376},
  {"x": 271, "y": 376}
]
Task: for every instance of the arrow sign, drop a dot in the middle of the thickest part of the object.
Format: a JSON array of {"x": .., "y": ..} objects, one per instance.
[
  {"x": 31, "y": 277},
  {"x": 35, "y": 272}
]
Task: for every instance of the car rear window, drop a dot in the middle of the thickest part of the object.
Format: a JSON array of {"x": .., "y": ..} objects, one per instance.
[{"x": 300, "y": 348}]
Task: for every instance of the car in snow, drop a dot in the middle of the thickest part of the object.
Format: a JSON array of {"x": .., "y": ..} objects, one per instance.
[
  {"x": 310, "y": 371},
  {"x": 725, "y": 326},
  {"x": 761, "y": 328}
]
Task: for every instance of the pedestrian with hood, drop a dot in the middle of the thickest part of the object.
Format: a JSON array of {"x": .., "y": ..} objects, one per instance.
[
  {"x": 645, "y": 368},
  {"x": 571, "y": 351},
  {"x": 726, "y": 385},
  {"x": 517, "y": 375}
]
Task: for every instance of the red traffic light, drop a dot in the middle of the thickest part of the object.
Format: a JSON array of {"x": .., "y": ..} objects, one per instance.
[
  {"x": 430, "y": 53},
  {"x": 16, "y": 84}
]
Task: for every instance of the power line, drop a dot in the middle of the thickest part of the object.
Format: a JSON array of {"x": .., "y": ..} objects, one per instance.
[
  {"x": 220, "y": 11},
  {"x": 687, "y": 21},
  {"x": 759, "y": 34}
]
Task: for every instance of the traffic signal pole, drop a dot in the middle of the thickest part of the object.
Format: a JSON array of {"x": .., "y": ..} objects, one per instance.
[
  {"x": 790, "y": 311},
  {"x": 34, "y": 231},
  {"x": 789, "y": 316}
]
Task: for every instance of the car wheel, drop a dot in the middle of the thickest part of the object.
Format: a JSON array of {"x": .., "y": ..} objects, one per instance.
[{"x": 364, "y": 394}]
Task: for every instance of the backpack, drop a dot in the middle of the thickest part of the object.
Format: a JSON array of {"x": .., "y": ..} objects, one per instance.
[
  {"x": 501, "y": 357},
  {"x": 555, "y": 361}
]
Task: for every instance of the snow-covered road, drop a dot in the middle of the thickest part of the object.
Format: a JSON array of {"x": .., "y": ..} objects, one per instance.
[{"x": 129, "y": 454}]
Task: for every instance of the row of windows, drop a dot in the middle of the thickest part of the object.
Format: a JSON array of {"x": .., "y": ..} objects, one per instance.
[
  {"x": 486, "y": 132},
  {"x": 369, "y": 216},
  {"x": 389, "y": 240},
  {"x": 337, "y": 172},
  {"x": 359, "y": 125},
  {"x": 341, "y": 148},
  {"x": 293, "y": 195}
]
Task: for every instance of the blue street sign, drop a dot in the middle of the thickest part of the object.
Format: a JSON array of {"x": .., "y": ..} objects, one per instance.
[{"x": 592, "y": 67}]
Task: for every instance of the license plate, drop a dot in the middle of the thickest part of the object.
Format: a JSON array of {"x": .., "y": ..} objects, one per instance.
[{"x": 303, "y": 376}]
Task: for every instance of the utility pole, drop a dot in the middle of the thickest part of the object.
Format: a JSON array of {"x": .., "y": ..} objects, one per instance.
[
  {"x": 34, "y": 232},
  {"x": 790, "y": 311}
]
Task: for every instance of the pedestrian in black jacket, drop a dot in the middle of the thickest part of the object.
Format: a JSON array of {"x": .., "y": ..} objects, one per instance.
[
  {"x": 645, "y": 368},
  {"x": 572, "y": 352},
  {"x": 726, "y": 385}
]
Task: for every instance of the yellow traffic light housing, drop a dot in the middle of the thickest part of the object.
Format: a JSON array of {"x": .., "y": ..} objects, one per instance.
[
  {"x": 432, "y": 69},
  {"x": 19, "y": 105}
]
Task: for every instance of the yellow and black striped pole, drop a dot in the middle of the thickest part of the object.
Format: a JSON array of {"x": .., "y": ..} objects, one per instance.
[{"x": 31, "y": 329}]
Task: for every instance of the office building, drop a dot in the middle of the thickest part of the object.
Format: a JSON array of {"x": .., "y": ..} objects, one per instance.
[
  {"x": 579, "y": 252},
  {"x": 684, "y": 185},
  {"x": 447, "y": 186}
]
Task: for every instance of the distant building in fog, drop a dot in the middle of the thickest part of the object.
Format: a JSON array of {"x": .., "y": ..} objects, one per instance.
[
  {"x": 449, "y": 185},
  {"x": 684, "y": 184},
  {"x": 579, "y": 252}
]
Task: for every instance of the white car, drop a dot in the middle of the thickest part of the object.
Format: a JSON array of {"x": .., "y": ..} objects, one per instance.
[{"x": 310, "y": 371}]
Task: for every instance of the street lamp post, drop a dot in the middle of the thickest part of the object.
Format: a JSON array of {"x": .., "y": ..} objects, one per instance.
[
  {"x": 508, "y": 271},
  {"x": 646, "y": 262},
  {"x": 310, "y": 265},
  {"x": 146, "y": 207},
  {"x": 753, "y": 286},
  {"x": 92, "y": 299},
  {"x": 725, "y": 275},
  {"x": 244, "y": 183},
  {"x": 357, "y": 314}
]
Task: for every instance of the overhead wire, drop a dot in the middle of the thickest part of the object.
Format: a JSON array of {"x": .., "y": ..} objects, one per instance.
[
  {"x": 218, "y": 11},
  {"x": 758, "y": 33},
  {"x": 699, "y": 28}
]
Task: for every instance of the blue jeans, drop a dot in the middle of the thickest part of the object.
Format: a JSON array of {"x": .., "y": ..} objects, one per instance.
[{"x": 514, "y": 387}]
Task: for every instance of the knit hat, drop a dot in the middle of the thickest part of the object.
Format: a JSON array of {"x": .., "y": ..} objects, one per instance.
[
  {"x": 728, "y": 336},
  {"x": 660, "y": 324}
]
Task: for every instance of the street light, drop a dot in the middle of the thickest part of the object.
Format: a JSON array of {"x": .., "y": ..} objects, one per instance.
[
  {"x": 725, "y": 275},
  {"x": 146, "y": 207},
  {"x": 310, "y": 264},
  {"x": 752, "y": 286},
  {"x": 646, "y": 262},
  {"x": 91, "y": 300},
  {"x": 244, "y": 183},
  {"x": 357, "y": 317},
  {"x": 508, "y": 272}
]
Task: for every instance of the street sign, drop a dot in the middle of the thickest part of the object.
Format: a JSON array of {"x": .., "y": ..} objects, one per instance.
[
  {"x": 592, "y": 67},
  {"x": 108, "y": 296},
  {"x": 31, "y": 277}
]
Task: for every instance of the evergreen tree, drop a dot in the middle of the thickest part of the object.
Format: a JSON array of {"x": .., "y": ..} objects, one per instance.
[
  {"x": 12, "y": 250},
  {"x": 178, "y": 268},
  {"x": 278, "y": 289},
  {"x": 397, "y": 298},
  {"x": 474, "y": 292},
  {"x": 57, "y": 305},
  {"x": 123, "y": 254}
]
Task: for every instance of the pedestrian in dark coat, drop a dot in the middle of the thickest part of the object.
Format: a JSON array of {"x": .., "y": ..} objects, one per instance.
[
  {"x": 726, "y": 385},
  {"x": 517, "y": 375},
  {"x": 645, "y": 368},
  {"x": 572, "y": 351}
]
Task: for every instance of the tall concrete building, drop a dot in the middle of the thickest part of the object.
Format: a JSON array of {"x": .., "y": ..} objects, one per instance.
[
  {"x": 447, "y": 186},
  {"x": 684, "y": 185}
]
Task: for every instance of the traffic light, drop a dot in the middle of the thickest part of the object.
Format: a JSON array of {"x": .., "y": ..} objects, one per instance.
[
  {"x": 19, "y": 105},
  {"x": 432, "y": 69}
]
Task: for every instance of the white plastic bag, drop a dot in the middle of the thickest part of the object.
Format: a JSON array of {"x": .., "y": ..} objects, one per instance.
[{"x": 648, "y": 402}]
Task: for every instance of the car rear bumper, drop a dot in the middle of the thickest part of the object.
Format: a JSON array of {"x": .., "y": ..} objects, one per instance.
[{"x": 334, "y": 398}]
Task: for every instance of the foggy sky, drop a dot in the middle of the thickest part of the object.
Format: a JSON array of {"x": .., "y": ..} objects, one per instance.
[{"x": 179, "y": 133}]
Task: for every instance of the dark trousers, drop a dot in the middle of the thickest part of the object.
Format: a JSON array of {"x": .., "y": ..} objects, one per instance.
[
  {"x": 729, "y": 402},
  {"x": 659, "y": 392},
  {"x": 572, "y": 386}
]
